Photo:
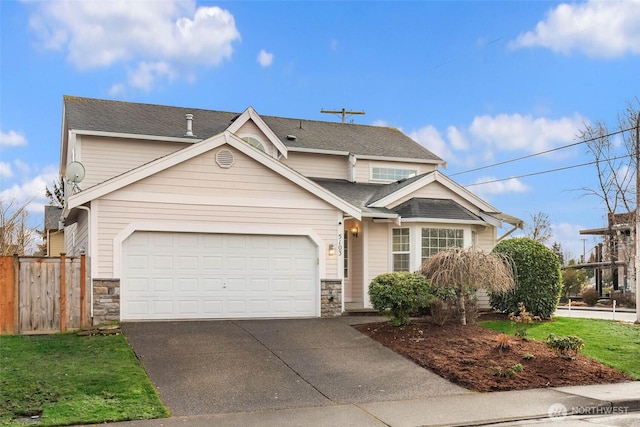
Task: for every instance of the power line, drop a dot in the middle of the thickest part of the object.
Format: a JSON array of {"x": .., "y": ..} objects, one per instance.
[
  {"x": 543, "y": 152},
  {"x": 547, "y": 171}
]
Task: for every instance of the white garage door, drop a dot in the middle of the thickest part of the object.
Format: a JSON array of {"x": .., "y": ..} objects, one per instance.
[{"x": 198, "y": 276}]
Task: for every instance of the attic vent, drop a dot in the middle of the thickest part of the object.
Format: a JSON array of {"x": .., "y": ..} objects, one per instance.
[
  {"x": 189, "y": 131},
  {"x": 291, "y": 137},
  {"x": 224, "y": 158}
]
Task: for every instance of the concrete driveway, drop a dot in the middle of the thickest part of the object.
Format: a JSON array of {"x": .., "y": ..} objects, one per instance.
[{"x": 209, "y": 367}]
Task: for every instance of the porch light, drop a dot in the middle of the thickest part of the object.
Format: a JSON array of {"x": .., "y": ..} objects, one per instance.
[
  {"x": 332, "y": 250},
  {"x": 354, "y": 231}
]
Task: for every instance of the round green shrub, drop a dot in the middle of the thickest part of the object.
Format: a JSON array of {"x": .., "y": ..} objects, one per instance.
[
  {"x": 538, "y": 278},
  {"x": 399, "y": 294}
]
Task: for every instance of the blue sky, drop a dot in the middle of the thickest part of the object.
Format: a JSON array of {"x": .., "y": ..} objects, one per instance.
[{"x": 476, "y": 82}]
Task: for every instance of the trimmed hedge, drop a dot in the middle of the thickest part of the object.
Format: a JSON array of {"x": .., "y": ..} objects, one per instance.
[
  {"x": 538, "y": 278},
  {"x": 400, "y": 294}
]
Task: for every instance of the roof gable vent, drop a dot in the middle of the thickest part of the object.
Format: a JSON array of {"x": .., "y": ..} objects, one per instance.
[{"x": 225, "y": 158}]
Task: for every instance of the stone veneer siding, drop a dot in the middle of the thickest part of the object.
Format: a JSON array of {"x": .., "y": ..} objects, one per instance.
[
  {"x": 330, "y": 298},
  {"x": 106, "y": 300}
]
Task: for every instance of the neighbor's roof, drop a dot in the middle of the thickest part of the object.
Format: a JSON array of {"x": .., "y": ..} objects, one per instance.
[
  {"x": 98, "y": 115},
  {"x": 52, "y": 217}
]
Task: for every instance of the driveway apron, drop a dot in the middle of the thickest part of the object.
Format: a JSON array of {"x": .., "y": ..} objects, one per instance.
[{"x": 209, "y": 367}]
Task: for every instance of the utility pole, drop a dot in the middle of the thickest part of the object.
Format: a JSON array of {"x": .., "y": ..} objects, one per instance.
[
  {"x": 342, "y": 112},
  {"x": 637, "y": 234}
]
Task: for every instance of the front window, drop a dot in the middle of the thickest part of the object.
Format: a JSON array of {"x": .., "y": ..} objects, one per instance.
[
  {"x": 435, "y": 240},
  {"x": 401, "y": 249},
  {"x": 391, "y": 174}
]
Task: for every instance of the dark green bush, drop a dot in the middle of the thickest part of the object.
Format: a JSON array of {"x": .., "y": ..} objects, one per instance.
[
  {"x": 399, "y": 294},
  {"x": 538, "y": 278},
  {"x": 590, "y": 296}
]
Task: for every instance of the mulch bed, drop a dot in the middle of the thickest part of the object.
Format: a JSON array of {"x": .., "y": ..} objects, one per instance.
[{"x": 468, "y": 356}]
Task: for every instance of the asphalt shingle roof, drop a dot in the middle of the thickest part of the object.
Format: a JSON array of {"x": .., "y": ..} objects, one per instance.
[
  {"x": 52, "y": 217},
  {"x": 100, "y": 115},
  {"x": 434, "y": 209},
  {"x": 353, "y": 193}
]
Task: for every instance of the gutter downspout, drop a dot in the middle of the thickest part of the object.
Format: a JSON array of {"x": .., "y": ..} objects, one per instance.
[{"x": 85, "y": 208}]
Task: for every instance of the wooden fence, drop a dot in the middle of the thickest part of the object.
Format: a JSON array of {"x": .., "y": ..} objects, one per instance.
[{"x": 42, "y": 295}]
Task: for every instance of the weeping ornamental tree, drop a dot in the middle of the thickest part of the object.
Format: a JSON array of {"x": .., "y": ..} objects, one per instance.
[{"x": 465, "y": 271}]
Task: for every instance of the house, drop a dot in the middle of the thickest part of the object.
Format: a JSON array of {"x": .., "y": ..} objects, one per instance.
[
  {"x": 188, "y": 213},
  {"x": 53, "y": 231},
  {"x": 617, "y": 260}
]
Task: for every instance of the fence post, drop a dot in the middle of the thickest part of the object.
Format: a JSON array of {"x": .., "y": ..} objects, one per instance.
[
  {"x": 8, "y": 296},
  {"x": 63, "y": 293},
  {"x": 83, "y": 292}
]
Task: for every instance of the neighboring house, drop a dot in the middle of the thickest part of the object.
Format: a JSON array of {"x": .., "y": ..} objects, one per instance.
[
  {"x": 615, "y": 255},
  {"x": 188, "y": 213},
  {"x": 53, "y": 231}
]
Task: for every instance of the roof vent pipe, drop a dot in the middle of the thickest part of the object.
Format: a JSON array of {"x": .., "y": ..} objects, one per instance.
[{"x": 189, "y": 118}]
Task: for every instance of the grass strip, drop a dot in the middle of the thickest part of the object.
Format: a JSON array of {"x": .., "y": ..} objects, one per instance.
[
  {"x": 65, "y": 379},
  {"x": 614, "y": 344}
]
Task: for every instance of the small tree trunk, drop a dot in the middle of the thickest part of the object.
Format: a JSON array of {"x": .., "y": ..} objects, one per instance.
[{"x": 462, "y": 308}]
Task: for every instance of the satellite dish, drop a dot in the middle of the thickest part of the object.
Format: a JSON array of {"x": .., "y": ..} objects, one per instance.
[{"x": 75, "y": 172}]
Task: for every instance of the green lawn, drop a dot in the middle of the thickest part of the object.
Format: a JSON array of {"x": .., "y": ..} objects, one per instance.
[
  {"x": 67, "y": 379},
  {"x": 615, "y": 344}
]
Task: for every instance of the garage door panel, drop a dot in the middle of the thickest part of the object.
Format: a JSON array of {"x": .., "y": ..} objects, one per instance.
[
  {"x": 188, "y": 307},
  {"x": 213, "y": 308},
  {"x": 196, "y": 275},
  {"x": 187, "y": 285},
  {"x": 212, "y": 285},
  {"x": 161, "y": 285},
  {"x": 162, "y": 240},
  {"x": 162, "y": 262},
  {"x": 137, "y": 284}
]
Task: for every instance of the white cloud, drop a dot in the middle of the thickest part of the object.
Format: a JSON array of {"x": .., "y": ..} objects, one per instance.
[
  {"x": 493, "y": 187},
  {"x": 157, "y": 39},
  {"x": 12, "y": 139},
  {"x": 148, "y": 74},
  {"x": 31, "y": 190},
  {"x": 5, "y": 170},
  {"x": 603, "y": 29},
  {"x": 265, "y": 58},
  {"x": 457, "y": 139},
  {"x": 569, "y": 237},
  {"x": 430, "y": 138},
  {"x": 511, "y": 132},
  {"x": 23, "y": 168}
]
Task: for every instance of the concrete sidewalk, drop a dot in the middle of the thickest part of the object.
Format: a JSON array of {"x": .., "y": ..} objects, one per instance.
[
  {"x": 554, "y": 405},
  {"x": 604, "y": 313}
]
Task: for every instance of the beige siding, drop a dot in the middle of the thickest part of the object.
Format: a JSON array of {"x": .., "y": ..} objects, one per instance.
[
  {"x": 55, "y": 243},
  {"x": 486, "y": 238},
  {"x": 435, "y": 190},
  {"x": 199, "y": 193},
  {"x": 105, "y": 158},
  {"x": 363, "y": 168},
  {"x": 319, "y": 165},
  {"x": 76, "y": 236},
  {"x": 378, "y": 249}
]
